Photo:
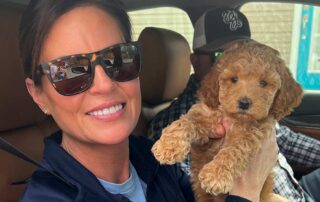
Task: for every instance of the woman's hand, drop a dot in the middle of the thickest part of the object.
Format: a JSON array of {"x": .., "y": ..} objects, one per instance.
[{"x": 250, "y": 184}]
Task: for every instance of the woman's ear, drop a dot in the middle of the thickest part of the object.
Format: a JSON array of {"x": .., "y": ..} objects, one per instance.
[{"x": 36, "y": 94}]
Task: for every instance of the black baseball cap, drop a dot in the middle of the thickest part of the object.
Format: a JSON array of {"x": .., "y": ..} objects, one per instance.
[{"x": 219, "y": 26}]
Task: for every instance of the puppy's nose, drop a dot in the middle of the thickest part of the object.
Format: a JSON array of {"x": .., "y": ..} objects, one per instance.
[{"x": 244, "y": 103}]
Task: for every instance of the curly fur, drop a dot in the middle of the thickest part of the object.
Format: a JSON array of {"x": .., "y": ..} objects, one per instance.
[{"x": 249, "y": 83}]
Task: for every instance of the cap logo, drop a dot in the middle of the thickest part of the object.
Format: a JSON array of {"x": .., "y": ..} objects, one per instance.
[{"x": 231, "y": 17}]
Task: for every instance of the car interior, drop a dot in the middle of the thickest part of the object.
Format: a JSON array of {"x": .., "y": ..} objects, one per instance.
[
  {"x": 165, "y": 55},
  {"x": 22, "y": 123},
  {"x": 165, "y": 72}
]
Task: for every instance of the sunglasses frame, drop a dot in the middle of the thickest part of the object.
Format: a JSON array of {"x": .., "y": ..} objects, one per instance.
[
  {"x": 214, "y": 55},
  {"x": 95, "y": 59}
]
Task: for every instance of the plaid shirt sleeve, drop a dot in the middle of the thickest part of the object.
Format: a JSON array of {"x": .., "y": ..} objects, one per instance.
[
  {"x": 298, "y": 148},
  {"x": 285, "y": 183}
]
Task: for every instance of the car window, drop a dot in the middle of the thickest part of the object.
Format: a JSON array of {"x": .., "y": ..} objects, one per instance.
[
  {"x": 164, "y": 17},
  {"x": 294, "y": 30}
]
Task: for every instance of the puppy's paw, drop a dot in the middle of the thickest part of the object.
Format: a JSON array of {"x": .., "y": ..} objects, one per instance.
[
  {"x": 215, "y": 179},
  {"x": 169, "y": 151}
]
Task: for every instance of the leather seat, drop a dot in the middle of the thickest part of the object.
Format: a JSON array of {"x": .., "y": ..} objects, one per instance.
[
  {"x": 21, "y": 122},
  {"x": 165, "y": 71}
]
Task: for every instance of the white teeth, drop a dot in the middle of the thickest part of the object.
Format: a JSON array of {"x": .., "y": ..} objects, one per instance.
[{"x": 106, "y": 111}]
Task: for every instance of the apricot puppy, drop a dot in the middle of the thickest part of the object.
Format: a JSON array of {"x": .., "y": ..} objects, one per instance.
[{"x": 249, "y": 83}]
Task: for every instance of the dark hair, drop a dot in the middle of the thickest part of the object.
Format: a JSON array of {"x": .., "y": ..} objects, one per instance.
[{"x": 39, "y": 17}]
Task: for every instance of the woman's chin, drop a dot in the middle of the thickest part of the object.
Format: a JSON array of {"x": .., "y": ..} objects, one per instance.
[{"x": 113, "y": 135}]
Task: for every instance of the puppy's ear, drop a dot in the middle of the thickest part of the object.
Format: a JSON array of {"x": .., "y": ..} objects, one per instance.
[
  {"x": 209, "y": 90},
  {"x": 289, "y": 95}
]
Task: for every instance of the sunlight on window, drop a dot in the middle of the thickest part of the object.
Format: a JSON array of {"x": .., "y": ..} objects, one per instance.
[
  {"x": 165, "y": 17},
  {"x": 314, "y": 61},
  {"x": 294, "y": 30},
  {"x": 271, "y": 23}
]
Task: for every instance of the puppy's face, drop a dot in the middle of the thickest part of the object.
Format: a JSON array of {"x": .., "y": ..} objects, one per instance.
[{"x": 248, "y": 87}]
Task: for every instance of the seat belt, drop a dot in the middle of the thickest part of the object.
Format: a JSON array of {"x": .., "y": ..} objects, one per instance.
[{"x": 6, "y": 146}]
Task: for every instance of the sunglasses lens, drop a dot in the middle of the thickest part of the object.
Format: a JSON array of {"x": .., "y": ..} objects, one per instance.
[
  {"x": 218, "y": 53},
  {"x": 122, "y": 63},
  {"x": 71, "y": 76},
  {"x": 215, "y": 55},
  {"x": 74, "y": 74}
]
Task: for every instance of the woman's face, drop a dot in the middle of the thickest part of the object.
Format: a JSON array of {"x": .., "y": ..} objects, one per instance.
[{"x": 83, "y": 117}]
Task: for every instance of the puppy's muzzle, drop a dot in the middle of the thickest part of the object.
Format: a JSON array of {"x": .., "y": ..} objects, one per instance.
[{"x": 244, "y": 103}]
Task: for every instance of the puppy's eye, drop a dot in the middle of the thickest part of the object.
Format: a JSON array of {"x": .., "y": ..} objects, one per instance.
[
  {"x": 234, "y": 79},
  {"x": 263, "y": 83}
]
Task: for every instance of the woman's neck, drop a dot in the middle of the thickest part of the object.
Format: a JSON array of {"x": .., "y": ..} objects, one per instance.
[{"x": 107, "y": 162}]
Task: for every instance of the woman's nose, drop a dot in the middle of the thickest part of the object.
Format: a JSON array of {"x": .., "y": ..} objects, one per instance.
[{"x": 101, "y": 81}]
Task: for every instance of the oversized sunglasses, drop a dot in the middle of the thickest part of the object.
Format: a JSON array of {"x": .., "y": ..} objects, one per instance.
[
  {"x": 74, "y": 74},
  {"x": 214, "y": 55}
]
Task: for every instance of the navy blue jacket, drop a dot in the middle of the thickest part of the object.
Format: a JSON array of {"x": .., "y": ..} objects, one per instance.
[
  {"x": 76, "y": 183},
  {"x": 164, "y": 183}
]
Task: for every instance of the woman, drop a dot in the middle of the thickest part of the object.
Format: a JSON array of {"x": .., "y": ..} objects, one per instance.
[{"x": 97, "y": 104}]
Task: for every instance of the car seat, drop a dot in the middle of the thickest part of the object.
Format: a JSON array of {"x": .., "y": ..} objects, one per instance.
[
  {"x": 21, "y": 122},
  {"x": 165, "y": 71}
]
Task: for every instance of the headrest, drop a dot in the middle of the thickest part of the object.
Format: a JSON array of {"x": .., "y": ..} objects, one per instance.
[
  {"x": 16, "y": 106},
  {"x": 166, "y": 64}
]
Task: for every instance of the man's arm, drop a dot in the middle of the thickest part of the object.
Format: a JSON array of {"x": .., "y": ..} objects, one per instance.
[
  {"x": 284, "y": 182},
  {"x": 298, "y": 148}
]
